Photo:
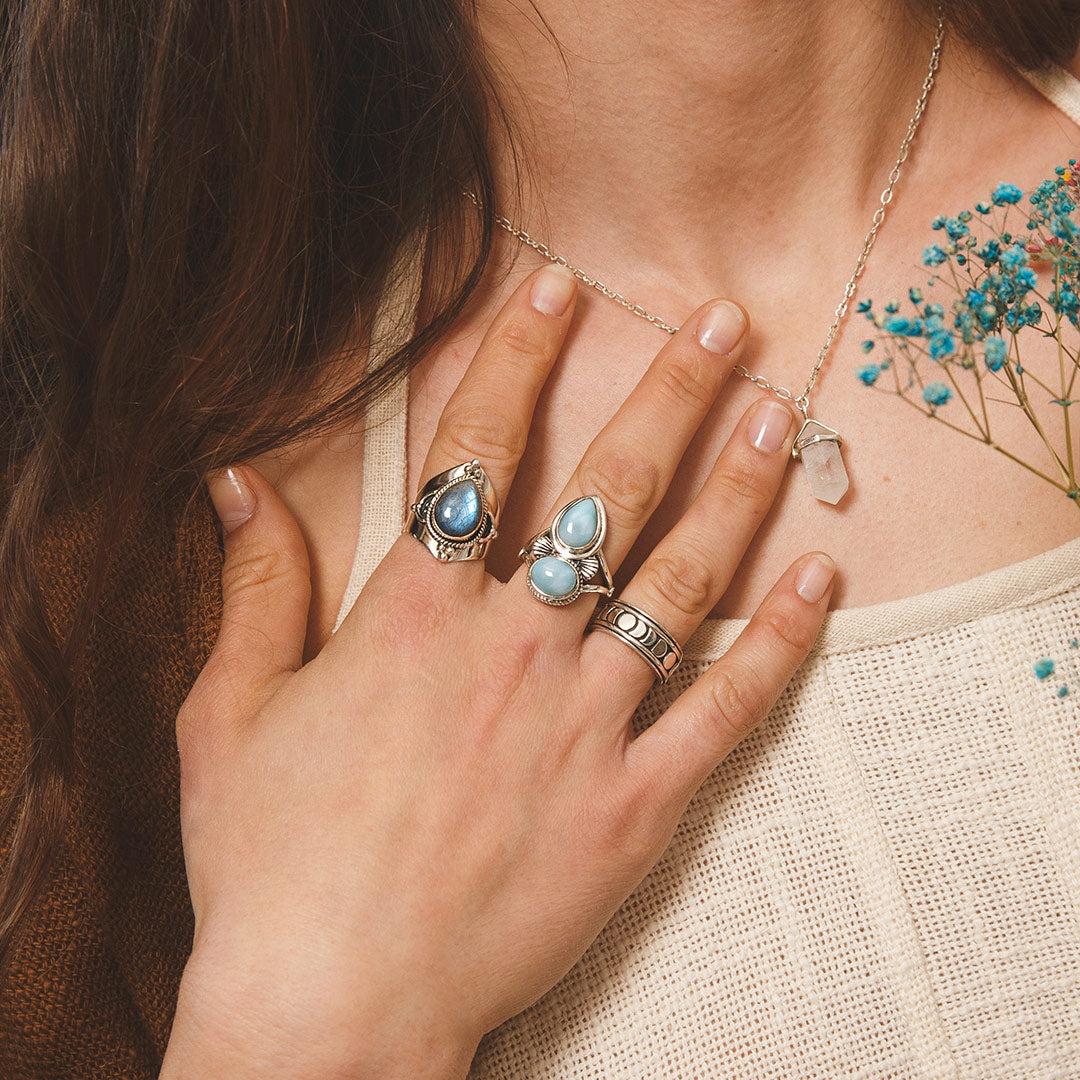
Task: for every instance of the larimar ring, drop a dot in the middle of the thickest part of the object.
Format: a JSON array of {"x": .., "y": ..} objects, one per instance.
[
  {"x": 565, "y": 560},
  {"x": 642, "y": 633},
  {"x": 455, "y": 513}
]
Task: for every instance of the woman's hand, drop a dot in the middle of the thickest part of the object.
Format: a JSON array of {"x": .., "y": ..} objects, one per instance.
[{"x": 402, "y": 843}]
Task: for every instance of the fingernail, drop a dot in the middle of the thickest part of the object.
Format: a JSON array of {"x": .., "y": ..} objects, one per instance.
[
  {"x": 721, "y": 327},
  {"x": 553, "y": 290},
  {"x": 814, "y": 577},
  {"x": 769, "y": 424},
  {"x": 233, "y": 500}
]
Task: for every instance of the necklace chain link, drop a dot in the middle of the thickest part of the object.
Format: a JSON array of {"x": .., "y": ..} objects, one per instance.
[{"x": 802, "y": 402}]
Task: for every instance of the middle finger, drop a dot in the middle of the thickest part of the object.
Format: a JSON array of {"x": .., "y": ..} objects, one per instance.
[{"x": 632, "y": 460}]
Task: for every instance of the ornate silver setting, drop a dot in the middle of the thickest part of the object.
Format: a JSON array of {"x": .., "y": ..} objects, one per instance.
[
  {"x": 476, "y": 528},
  {"x": 642, "y": 633},
  {"x": 560, "y": 570}
]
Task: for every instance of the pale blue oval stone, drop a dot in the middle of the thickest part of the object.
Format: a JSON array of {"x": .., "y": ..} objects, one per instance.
[
  {"x": 458, "y": 509},
  {"x": 577, "y": 527},
  {"x": 553, "y": 577}
]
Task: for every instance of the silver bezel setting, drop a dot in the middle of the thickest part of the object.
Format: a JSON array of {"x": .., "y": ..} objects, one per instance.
[
  {"x": 587, "y": 562},
  {"x": 442, "y": 545}
]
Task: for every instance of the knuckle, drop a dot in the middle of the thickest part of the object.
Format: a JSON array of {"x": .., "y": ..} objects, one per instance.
[
  {"x": 521, "y": 340},
  {"x": 256, "y": 569},
  {"x": 625, "y": 481},
  {"x": 735, "y": 702},
  {"x": 682, "y": 580},
  {"x": 793, "y": 634},
  {"x": 482, "y": 435},
  {"x": 742, "y": 484},
  {"x": 687, "y": 380}
]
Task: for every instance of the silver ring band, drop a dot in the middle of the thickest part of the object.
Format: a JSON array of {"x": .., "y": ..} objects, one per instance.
[
  {"x": 455, "y": 513},
  {"x": 642, "y": 633}
]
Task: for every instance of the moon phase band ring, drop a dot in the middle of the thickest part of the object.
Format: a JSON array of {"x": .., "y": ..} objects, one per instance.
[
  {"x": 455, "y": 513},
  {"x": 565, "y": 560},
  {"x": 642, "y": 633}
]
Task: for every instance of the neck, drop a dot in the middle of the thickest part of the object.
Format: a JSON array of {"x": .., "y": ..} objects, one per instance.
[{"x": 695, "y": 134}]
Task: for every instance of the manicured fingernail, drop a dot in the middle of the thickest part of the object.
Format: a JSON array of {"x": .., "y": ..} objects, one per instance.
[
  {"x": 721, "y": 327},
  {"x": 233, "y": 500},
  {"x": 769, "y": 424},
  {"x": 553, "y": 290},
  {"x": 814, "y": 577}
]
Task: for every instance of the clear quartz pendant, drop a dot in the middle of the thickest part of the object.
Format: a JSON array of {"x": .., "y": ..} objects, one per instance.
[{"x": 818, "y": 447}]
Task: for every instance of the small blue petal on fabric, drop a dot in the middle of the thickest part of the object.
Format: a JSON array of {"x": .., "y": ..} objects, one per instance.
[
  {"x": 1075, "y": 643},
  {"x": 1063, "y": 691},
  {"x": 868, "y": 373},
  {"x": 1006, "y": 194},
  {"x": 1044, "y": 668},
  {"x": 937, "y": 393},
  {"x": 867, "y": 346},
  {"x": 864, "y": 305}
]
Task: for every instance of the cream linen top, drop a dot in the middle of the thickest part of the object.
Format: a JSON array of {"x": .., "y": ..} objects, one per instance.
[{"x": 881, "y": 881}]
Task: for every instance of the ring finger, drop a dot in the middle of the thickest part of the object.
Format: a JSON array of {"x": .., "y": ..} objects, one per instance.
[{"x": 686, "y": 574}]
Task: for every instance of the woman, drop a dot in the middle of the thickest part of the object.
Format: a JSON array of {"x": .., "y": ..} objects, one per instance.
[{"x": 396, "y": 849}]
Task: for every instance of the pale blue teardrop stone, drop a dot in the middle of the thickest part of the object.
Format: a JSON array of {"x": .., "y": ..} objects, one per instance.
[
  {"x": 553, "y": 577},
  {"x": 577, "y": 527},
  {"x": 458, "y": 509}
]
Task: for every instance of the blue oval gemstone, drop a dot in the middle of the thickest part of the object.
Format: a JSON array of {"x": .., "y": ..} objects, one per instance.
[
  {"x": 458, "y": 510},
  {"x": 578, "y": 524},
  {"x": 553, "y": 577}
]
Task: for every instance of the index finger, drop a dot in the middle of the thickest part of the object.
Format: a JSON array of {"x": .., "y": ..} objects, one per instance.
[{"x": 489, "y": 413}]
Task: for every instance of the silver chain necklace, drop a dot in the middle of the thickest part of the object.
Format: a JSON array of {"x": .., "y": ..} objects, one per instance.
[{"x": 817, "y": 445}]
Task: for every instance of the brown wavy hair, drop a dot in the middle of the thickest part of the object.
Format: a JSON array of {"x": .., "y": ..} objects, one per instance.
[{"x": 200, "y": 201}]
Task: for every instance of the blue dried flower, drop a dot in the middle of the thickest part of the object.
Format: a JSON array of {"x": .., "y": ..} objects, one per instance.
[
  {"x": 864, "y": 305},
  {"x": 867, "y": 346},
  {"x": 936, "y": 393},
  {"x": 955, "y": 228},
  {"x": 1044, "y": 668},
  {"x": 903, "y": 327},
  {"x": 982, "y": 208},
  {"x": 997, "y": 352},
  {"x": 915, "y": 296},
  {"x": 868, "y": 373},
  {"x": 933, "y": 256},
  {"x": 1014, "y": 257},
  {"x": 942, "y": 345},
  {"x": 1005, "y": 194}
]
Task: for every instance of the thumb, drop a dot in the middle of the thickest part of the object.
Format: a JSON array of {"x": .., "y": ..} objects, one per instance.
[{"x": 265, "y": 585}]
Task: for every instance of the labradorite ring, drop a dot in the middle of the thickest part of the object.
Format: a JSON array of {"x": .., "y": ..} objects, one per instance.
[
  {"x": 642, "y": 633},
  {"x": 455, "y": 513},
  {"x": 565, "y": 560}
]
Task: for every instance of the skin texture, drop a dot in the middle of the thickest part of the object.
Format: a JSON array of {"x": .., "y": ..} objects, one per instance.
[
  {"x": 404, "y": 842},
  {"x": 736, "y": 170}
]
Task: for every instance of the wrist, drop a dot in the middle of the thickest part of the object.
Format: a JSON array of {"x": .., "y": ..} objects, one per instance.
[{"x": 229, "y": 1023}]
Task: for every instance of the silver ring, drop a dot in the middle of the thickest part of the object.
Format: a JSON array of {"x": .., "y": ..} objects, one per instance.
[
  {"x": 455, "y": 513},
  {"x": 565, "y": 560},
  {"x": 642, "y": 633}
]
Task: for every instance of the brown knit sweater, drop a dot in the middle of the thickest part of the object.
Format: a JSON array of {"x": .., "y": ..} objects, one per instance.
[{"x": 93, "y": 986}]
